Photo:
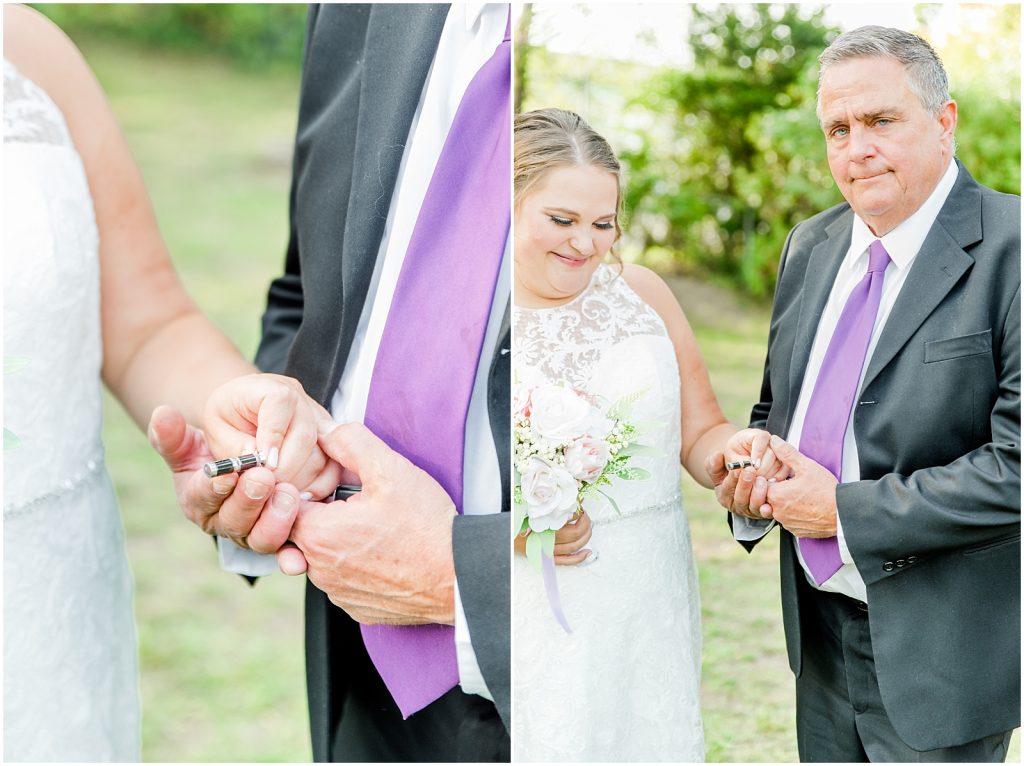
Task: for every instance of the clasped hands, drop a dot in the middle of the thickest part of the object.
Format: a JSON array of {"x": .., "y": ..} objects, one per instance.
[
  {"x": 384, "y": 555},
  {"x": 783, "y": 484}
]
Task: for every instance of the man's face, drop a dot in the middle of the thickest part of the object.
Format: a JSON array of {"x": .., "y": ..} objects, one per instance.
[{"x": 885, "y": 150}]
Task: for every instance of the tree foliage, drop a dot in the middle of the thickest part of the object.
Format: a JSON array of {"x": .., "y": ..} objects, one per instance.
[
  {"x": 256, "y": 35},
  {"x": 747, "y": 161}
]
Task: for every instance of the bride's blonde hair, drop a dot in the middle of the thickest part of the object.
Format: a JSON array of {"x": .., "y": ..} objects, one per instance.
[{"x": 550, "y": 138}]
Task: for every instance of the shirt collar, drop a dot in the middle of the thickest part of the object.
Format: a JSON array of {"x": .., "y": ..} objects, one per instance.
[
  {"x": 903, "y": 242},
  {"x": 474, "y": 11}
]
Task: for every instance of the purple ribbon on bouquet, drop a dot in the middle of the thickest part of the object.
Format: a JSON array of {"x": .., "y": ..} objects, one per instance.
[{"x": 547, "y": 565}]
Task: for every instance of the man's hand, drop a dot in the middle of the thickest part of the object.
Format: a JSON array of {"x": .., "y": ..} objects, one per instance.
[
  {"x": 232, "y": 505},
  {"x": 742, "y": 492},
  {"x": 385, "y": 554},
  {"x": 806, "y": 503}
]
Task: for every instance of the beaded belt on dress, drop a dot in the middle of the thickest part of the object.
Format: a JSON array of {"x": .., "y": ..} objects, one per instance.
[
  {"x": 609, "y": 516},
  {"x": 71, "y": 483}
]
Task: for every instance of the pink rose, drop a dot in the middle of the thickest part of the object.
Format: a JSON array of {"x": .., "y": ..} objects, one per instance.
[{"x": 585, "y": 458}]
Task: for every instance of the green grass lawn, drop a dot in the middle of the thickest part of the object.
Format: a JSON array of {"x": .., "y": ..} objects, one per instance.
[{"x": 222, "y": 663}]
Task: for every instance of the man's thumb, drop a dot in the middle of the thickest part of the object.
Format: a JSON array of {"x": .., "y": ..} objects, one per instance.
[
  {"x": 786, "y": 452},
  {"x": 354, "y": 446}
]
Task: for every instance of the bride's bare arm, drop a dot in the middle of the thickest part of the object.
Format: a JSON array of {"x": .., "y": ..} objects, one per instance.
[
  {"x": 157, "y": 346},
  {"x": 704, "y": 427}
]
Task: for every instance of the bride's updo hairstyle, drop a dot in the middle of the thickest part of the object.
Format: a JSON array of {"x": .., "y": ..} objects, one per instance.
[{"x": 550, "y": 138}]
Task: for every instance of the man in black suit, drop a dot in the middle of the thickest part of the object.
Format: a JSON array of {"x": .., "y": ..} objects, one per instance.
[
  {"x": 369, "y": 73},
  {"x": 908, "y": 647}
]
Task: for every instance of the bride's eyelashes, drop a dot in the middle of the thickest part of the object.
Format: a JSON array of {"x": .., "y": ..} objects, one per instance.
[{"x": 604, "y": 226}]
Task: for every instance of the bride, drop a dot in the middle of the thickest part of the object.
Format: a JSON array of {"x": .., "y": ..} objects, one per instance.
[
  {"x": 624, "y": 685},
  {"x": 90, "y": 292}
]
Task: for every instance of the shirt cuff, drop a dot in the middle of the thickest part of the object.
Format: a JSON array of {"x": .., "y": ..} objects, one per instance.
[
  {"x": 470, "y": 678},
  {"x": 746, "y": 529},
  {"x": 235, "y": 558},
  {"x": 844, "y": 551}
]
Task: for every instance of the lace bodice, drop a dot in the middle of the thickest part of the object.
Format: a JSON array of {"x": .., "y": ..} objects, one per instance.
[
  {"x": 609, "y": 342},
  {"x": 52, "y": 398}
]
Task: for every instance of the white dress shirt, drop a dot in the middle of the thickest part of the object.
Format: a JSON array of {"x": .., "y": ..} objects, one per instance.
[
  {"x": 471, "y": 33},
  {"x": 903, "y": 244}
]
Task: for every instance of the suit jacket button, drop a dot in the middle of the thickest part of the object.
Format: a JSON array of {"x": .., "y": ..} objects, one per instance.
[
  {"x": 911, "y": 559},
  {"x": 888, "y": 566},
  {"x": 901, "y": 562}
]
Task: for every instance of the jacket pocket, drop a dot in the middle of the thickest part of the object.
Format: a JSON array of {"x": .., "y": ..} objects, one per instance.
[
  {"x": 990, "y": 544},
  {"x": 953, "y": 348}
]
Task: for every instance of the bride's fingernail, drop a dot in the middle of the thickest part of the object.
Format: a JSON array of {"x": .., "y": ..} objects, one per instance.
[
  {"x": 757, "y": 463},
  {"x": 272, "y": 457},
  {"x": 306, "y": 496}
]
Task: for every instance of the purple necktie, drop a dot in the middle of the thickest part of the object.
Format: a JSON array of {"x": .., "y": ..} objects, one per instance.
[
  {"x": 426, "y": 365},
  {"x": 832, "y": 399}
]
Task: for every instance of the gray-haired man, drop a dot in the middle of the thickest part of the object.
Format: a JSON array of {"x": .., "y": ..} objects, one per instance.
[{"x": 899, "y": 384}]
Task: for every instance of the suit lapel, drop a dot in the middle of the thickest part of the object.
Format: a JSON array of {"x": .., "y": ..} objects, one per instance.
[
  {"x": 822, "y": 267},
  {"x": 939, "y": 265},
  {"x": 401, "y": 41}
]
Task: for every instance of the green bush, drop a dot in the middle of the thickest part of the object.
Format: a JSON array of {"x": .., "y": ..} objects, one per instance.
[{"x": 254, "y": 35}]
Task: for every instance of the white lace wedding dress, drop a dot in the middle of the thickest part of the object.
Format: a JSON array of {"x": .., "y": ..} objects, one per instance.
[
  {"x": 70, "y": 669},
  {"x": 624, "y": 686}
]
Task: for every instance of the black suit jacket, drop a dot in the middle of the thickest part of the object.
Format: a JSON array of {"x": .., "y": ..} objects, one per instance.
[
  {"x": 934, "y": 524},
  {"x": 364, "y": 69}
]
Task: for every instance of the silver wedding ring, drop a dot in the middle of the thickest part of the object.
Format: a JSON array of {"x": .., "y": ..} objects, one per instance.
[{"x": 234, "y": 464}]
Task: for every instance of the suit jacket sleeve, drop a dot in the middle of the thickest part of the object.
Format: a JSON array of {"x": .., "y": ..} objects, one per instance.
[
  {"x": 759, "y": 413},
  {"x": 482, "y": 545},
  {"x": 285, "y": 301},
  {"x": 971, "y": 501}
]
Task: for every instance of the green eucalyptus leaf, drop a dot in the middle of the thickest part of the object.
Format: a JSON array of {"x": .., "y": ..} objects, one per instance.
[
  {"x": 533, "y": 550},
  {"x": 641, "y": 450},
  {"x": 519, "y": 510},
  {"x": 611, "y": 500},
  {"x": 10, "y": 440},
  {"x": 13, "y": 364}
]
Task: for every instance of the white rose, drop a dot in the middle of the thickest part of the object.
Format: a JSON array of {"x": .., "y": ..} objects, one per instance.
[
  {"x": 585, "y": 458},
  {"x": 549, "y": 492},
  {"x": 559, "y": 414}
]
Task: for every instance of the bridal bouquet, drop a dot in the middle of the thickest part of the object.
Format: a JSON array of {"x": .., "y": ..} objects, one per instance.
[{"x": 566, "y": 448}]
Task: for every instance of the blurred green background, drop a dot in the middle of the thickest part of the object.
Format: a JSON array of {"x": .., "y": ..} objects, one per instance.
[
  {"x": 711, "y": 108},
  {"x": 207, "y": 95}
]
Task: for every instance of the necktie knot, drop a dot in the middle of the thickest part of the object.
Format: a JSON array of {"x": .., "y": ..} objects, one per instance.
[{"x": 878, "y": 258}]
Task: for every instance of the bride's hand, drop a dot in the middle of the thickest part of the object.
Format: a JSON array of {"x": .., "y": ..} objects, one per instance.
[
  {"x": 569, "y": 542},
  {"x": 272, "y": 414},
  {"x": 753, "y": 443},
  {"x": 570, "y": 539}
]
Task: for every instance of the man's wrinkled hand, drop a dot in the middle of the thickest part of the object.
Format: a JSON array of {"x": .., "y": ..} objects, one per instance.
[
  {"x": 383, "y": 555},
  {"x": 806, "y": 503}
]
